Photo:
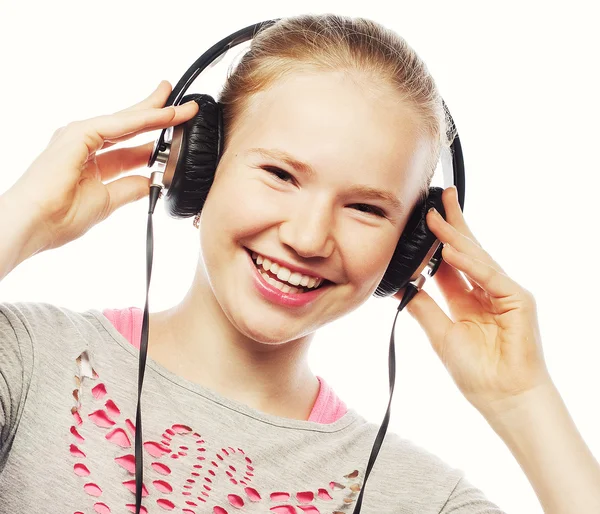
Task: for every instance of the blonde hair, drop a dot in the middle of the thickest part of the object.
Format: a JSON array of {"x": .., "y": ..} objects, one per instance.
[{"x": 331, "y": 42}]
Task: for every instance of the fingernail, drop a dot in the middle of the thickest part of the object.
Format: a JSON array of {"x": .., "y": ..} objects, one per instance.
[{"x": 434, "y": 211}]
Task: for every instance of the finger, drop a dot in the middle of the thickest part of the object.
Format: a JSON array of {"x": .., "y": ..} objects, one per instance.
[
  {"x": 454, "y": 285},
  {"x": 179, "y": 118},
  {"x": 432, "y": 319},
  {"x": 126, "y": 190},
  {"x": 115, "y": 141},
  {"x": 80, "y": 139},
  {"x": 108, "y": 144},
  {"x": 113, "y": 163},
  {"x": 451, "y": 274},
  {"x": 156, "y": 99},
  {"x": 448, "y": 234},
  {"x": 454, "y": 214},
  {"x": 456, "y": 289},
  {"x": 455, "y": 217},
  {"x": 126, "y": 123},
  {"x": 494, "y": 282}
]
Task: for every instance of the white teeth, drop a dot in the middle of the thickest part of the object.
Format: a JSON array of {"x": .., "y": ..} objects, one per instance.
[
  {"x": 293, "y": 278},
  {"x": 273, "y": 282},
  {"x": 266, "y": 264},
  {"x": 282, "y": 273},
  {"x": 283, "y": 287}
]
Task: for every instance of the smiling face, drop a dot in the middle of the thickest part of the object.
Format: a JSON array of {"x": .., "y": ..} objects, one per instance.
[{"x": 320, "y": 220}]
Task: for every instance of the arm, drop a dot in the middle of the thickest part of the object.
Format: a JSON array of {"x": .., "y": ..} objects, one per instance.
[
  {"x": 540, "y": 433},
  {"x": 491, "y": 345},
  {"x": 19, "y": 240}
]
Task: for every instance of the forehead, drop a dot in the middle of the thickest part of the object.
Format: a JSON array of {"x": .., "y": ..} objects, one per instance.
[{"x": 341, "y": 127}]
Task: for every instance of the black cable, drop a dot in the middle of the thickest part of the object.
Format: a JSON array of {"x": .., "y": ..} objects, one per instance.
[
  {"x": 409, "y": 294},
  {"x": 139, "y": 463}
]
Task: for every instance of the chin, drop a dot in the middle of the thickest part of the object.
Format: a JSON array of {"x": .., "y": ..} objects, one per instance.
[
  {"x": 270, "y": 336},
  {"x": 267, "y": 328}
]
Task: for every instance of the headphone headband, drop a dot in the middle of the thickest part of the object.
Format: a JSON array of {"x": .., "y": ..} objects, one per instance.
[{"x": 211, "y": 57}]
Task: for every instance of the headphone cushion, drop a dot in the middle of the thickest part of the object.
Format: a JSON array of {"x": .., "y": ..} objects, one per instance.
[
  {"x": 412, "y": 248},
  {"x": 201, "y": 149}
]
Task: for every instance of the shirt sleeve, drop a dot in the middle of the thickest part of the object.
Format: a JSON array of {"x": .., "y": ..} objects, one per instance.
[
  {"x": 467, "y": 499},
  {"x": 16, "y": 359}
]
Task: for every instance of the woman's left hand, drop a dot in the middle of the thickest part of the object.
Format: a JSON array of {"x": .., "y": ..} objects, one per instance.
[{"x": 491, "y": 346}]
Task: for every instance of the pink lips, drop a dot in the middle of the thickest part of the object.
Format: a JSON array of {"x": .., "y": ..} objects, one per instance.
[{"x": 274, "y": 295}]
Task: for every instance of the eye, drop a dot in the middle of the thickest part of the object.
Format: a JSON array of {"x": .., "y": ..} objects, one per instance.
[
  {"x": 375, "y": 210},
  {"x": 277, "y": 171},
  {"x": 274, "y": 170}
]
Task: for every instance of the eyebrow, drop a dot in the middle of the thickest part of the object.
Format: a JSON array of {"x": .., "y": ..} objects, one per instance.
[{"x": 370, "y": 192}]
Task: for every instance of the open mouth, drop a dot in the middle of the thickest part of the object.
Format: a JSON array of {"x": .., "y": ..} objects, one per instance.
[{"x": 270, "y": 274}]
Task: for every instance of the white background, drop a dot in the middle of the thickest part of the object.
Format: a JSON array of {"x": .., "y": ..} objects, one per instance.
[{"x": 521, "y": 81}]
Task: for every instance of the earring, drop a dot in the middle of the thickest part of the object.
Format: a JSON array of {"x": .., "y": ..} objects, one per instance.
[{"x": 197, "y": 220}]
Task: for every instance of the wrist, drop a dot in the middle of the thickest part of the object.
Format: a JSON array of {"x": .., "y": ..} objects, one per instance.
[
  {"x": 518, "y": 412},
  {"x": 24, "y": 223}
]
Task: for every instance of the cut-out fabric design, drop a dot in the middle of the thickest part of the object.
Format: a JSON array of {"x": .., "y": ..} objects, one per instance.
[
  {"x": 203, "y": 463},
  {"x": 68, "y": 393}
]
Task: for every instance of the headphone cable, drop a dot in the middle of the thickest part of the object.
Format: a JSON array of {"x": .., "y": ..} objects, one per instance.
[{"x": 155, "y": 190}]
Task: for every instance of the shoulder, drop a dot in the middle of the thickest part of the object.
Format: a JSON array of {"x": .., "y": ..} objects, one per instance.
[
  {"x": 423, "y": 471},
  {"x": 42, "y": 314},
  {"x": 408, "y": 475},
  {"x": 46, "y": 325}
]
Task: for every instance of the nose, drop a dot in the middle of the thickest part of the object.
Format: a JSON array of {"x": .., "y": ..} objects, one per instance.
[{"x": 308, "y": 230}]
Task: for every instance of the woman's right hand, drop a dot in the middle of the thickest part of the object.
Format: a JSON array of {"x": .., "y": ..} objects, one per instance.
[{"x": 68, "y": 185}]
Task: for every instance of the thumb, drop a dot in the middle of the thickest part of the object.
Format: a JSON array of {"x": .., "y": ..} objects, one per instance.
[
  {"x": 432, "y": 319},
  {"x": 126, "y": 190}
]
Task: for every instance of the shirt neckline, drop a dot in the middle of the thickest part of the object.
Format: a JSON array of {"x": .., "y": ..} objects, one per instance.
[{"x": 350, "y": 417}]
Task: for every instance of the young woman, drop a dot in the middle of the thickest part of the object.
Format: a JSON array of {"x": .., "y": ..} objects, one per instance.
[{"x": 234, "y": 419}]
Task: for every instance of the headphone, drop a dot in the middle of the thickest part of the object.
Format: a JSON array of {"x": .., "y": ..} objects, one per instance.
[{"x": 183, "y": 164}]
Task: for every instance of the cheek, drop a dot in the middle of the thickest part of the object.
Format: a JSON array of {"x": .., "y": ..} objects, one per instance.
[
  {"x": 370, "y": 256},
  {"x": 370, "y": 264},
  {"x": 234, "y": 212}
]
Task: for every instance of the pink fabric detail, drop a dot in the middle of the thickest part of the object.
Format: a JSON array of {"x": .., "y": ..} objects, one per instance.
[
  {"x": 327, "y": 408},
  {"x": 128, "y": 322}
]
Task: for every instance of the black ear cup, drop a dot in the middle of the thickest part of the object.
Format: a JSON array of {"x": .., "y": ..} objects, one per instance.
[
  {"x": 413, "y": 246},
  {"x": 201, "y": 149}
]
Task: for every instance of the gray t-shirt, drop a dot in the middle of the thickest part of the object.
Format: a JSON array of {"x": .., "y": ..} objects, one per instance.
[{"x": 68, "y": 393}]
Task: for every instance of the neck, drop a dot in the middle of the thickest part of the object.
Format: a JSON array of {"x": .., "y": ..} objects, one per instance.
[{"x": 195, "y": 340}]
